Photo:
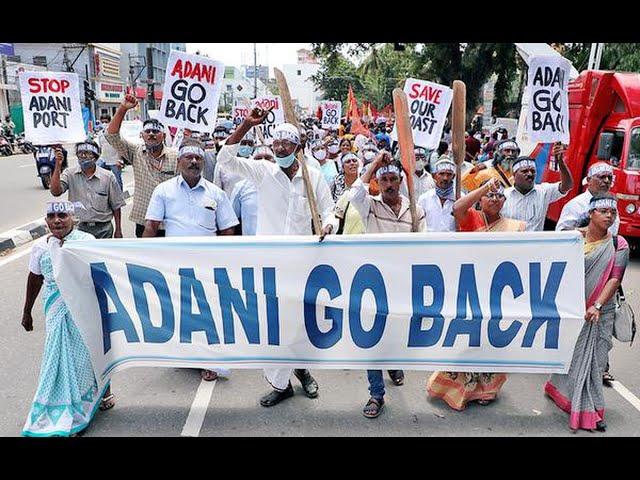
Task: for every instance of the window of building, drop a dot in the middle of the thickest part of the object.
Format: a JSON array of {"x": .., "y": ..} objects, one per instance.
[{"x": 40, "y": 60}]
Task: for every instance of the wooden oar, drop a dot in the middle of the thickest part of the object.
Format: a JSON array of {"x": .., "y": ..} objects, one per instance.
[
  {"x": 290, "y": 117},
  {"x": 405, "y": 142},
  {"x": 457, "y": 130}
]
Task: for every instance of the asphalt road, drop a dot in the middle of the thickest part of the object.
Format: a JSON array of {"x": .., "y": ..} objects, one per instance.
[
  {"x": 22, "y": 194},
  {"x": 158, "y": 401}
]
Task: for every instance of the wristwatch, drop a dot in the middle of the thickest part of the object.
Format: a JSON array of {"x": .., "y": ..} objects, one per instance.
[{"x": 597, "y": 306}]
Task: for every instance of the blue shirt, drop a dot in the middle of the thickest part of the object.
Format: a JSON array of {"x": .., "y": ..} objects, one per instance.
[
  {"x": 244, "y": 200},
  {"x": 185, "y": 211}
]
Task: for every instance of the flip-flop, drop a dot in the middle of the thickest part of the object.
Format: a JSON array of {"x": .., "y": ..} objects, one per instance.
[
  {"x": 208, "y": 375},
  {"x": 607, "y": 378},
  {"x": 373, "y": 408},
  {"x": 107, "y": 403}
]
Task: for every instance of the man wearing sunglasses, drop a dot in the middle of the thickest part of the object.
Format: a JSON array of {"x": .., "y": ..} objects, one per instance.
[
  {"x": 599, "y": 181},
  {"x": 153, "y": 162}
]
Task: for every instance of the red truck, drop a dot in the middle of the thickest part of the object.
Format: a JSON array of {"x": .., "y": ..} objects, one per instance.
[{"x": 604, "y": 121}]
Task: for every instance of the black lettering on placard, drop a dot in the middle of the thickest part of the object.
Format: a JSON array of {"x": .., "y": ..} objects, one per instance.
[
  {"x": 548, "y": 77},
  {"x": 184, "y": 104}
]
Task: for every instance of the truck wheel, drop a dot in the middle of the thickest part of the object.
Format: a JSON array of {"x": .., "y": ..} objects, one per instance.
[{"x": 46, "y": 181}]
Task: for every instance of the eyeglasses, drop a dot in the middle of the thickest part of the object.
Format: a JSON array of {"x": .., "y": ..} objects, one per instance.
[
  {"x": 349, "y": 160},
  {"x": 152, "y": 131},
  {"x": 284, "y": 144},
  {"x": 495, "y": 195},
  {"x": 85, "y": 155}
]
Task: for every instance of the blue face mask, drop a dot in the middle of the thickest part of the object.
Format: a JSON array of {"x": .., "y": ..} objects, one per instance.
[
  {"x": 245, "y": 151},
  {"x": 87, "y": 164},
  {"x": 286, "y": 162},
  {"x": 446, "y": 192}
]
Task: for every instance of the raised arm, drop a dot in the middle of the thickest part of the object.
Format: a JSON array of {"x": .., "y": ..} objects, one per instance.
[{"x": 465, "y": 202}]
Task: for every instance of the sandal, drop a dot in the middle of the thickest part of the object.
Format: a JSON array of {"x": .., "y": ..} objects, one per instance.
[
  {"x": 208, "y": 375},
  {"x": 484, "y": 403},
  {"x": 397, "y": 377},
  {"x": 607, "y": 378},
  {"x": 373, "y": 408},
  {"x": 107, "y": 402}
]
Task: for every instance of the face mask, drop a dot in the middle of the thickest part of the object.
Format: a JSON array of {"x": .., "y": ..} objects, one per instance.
[
  {"x": 445, "y": 192},
  {"x": 87, "y": 164},
  {"x": 420, "y": 164},
  {"x": 245, "y": 151},
  {"x": 320, "y": 154},
  {"x": 368, "y": 156},
  {"x": 286, "y": 162},
  {"x": 333, "y": 148}
]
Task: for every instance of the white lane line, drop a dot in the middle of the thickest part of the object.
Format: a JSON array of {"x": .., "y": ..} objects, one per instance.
[
  {"x": 626, "y": 394},
  {"x": 198, "y": 409},
  {"x": 26, "y": 166},
  {"x": 15, "y": 256}
]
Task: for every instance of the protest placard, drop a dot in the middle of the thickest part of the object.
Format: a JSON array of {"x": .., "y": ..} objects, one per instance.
[
  {"x": 512, "y": 303},
  {"x": 548, "y": 102},
  {"x": 275, "y": 117},
  {"x": 51, "y": 106},
  {"x": 240, "y": 112},
  {"x": 331, "y": 114},
  {"x": 192, "y": 87},
  {"x": 428, "y": 108}
]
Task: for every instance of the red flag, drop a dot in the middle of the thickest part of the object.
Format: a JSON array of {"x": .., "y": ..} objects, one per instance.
[
  {"x": 351, "y": 101},
  {"x": 319, "y": 113}
]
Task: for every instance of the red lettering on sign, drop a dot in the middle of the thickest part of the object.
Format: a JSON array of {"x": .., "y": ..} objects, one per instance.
[
  {"x": 428, "y": 93},
  {"x": 199, "y": 71},
  {"x": 47, "y": 85}
]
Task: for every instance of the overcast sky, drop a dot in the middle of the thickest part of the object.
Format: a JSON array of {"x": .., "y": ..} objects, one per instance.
[{"x": 237, "y": 54}]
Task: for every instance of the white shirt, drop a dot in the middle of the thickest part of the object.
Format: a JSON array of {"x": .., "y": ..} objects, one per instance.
[
  {"x": 283, "y": 208},
  {"x": 420, "y": 184},
  {"x": 108, "y": 153},
  {"x": 531, "y": 207},
  {"x": 575, "y": 209},
  {"x": 185, "y": 211},
  {"x": 225, "y": 179},
  {"x": 244, "y": 201},
  {"x": 438, "y": 217}
]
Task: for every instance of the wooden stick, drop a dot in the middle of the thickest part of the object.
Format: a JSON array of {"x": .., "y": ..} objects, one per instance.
[
  {"x": 457, "y": 130},
  {"x": 290, "y": 117},
  {"x": 407, "y": 153}
]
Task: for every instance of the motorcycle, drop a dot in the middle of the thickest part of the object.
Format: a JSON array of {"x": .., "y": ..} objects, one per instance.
[
  {"x": 24, "y": 145},
  {"x": 6, "y": 149},
  {"x": 45, "y": 157}
]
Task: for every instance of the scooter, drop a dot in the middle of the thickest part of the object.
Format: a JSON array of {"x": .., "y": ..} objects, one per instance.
[
  {"x": 6, "y": 149},
  {"x": 45, "y": 163},
  {"x": 24, "y": 145}
]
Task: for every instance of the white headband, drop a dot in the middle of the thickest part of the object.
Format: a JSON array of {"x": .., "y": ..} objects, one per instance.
[
  {"x": 444, "y": 166},
  {"x": 60, "y": 207},
  {"x": 191, "y": 149},
  {"x": 87, "y": 147},
  {"x": 510, "y": 144},
  {"x": 603, "y": 203},
  {"x": 391, "y": 168},
  {"x": 523, "y": 164},
  {"x": 286, "y": 131},
  {"x": 599, "y": 168}
]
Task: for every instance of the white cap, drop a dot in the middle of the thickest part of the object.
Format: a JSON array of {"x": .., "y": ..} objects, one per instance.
[{"x": 287, "y": 131}]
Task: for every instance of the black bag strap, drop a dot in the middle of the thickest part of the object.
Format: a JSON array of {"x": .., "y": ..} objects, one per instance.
[
  {"x": 343, "y": 220},
  {"x": 615, "y": 249}
]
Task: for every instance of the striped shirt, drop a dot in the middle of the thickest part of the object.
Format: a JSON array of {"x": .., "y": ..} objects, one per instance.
[
  {"x": 378, "y": 217},
  {"x": 532, "y": 206},
  {"x": 148, "y": 172}
]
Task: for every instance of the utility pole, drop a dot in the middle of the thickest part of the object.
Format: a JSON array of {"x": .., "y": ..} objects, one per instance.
[
  {"x": 595, "y": 56},
  {"x": 151, "y": 103},
  {"x": 255, "y": 72}
]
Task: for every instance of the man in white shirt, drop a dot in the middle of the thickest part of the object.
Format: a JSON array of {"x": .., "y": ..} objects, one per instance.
[
  {"x": 189, "y": 205},
  {"x": 283, "y": 209},
  {"x": 529, "y": 202},
  {"x": 576, "y": 211},
  {"x": 437, "y": 203},
  {"x": 422, "y": 180}
]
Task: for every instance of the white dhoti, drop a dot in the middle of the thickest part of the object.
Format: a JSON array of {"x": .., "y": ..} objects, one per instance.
[{"x": 278, "y": 378}]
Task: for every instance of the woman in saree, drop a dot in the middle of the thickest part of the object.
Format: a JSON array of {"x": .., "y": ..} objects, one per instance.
[
  {"x": 457, "y": 389},
  {"x": 349, "y": 219},
  {"x": 67, "y": 396},
  {"x": 579, "y": 392}
]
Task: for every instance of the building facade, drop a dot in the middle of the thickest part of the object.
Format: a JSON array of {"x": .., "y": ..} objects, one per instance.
[{"x": 304, "y": 92}]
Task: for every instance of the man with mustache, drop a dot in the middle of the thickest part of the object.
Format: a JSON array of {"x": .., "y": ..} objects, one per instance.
[
  {"x": 576, "y": 211},
  {"x": 529, "y": 202},
  {"x": 437, "y": 203},
  {"x": 153, "y": 163},
  {"x": 189, "y": 206},
  {"x": 387, "y": 212}
]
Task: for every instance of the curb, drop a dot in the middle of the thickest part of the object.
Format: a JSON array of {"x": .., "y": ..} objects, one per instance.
[{"x": 27, "y": 233}]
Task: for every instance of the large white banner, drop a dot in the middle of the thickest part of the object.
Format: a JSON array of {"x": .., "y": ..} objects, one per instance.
[
  {"x": 484, "y": 302},
  {"x": 51, "y": 106},
  {"x": 429, "y": 105},
  {"x": 548, "y": 100},
  {"x": 192, "y": 87}
]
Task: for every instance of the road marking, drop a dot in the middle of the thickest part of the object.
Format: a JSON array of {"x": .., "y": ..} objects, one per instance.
[
  {"x": 26, "y": 166},
  {"x": 198, "y": 409},
  {"x": 626, "y": 394},
  {"x": 15, "y": 256}
]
